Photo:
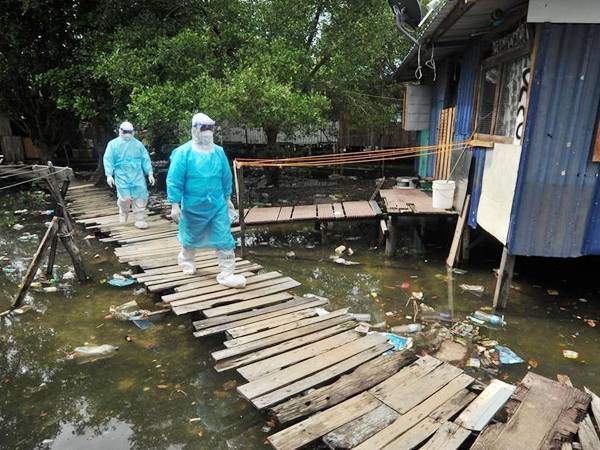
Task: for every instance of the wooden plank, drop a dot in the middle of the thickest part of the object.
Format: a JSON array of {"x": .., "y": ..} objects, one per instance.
[
  {"x": 262, "y": 215},
  {"x": 595, "y": 404},
  {"x": 338, "y": 210},
  {"x": 409, "y": 395},
  {"x": 160, "y": 277},
  {"x": 219, "y": 288},
  {"x": 449, "y": 436},
  {"x": 416, "y": 435},
  {"x": 242, "y": 360},
  {"x": 489, "y": 402},
  {"x": 285, "y": 214},
  {"x": 322, "y": 423},
  {"x": 548, "y": 414},
  {"x": 320, "y": 376},
  {"x": 259, "y": 369},
  {"x": 260, "y": 314},
  {"x": 364, "y": 377},
  {"x": 325, "y": 211},
  {"x": 304, "y": 212},
  {"x": 353, "y": 433},
  {"x": 272, "y": 340},
  {"x": 222, "y": 302},
  {"x": 286, "y": 327},
  {"x": 174, "y": 267},
  {"x": 249, "y": 304},
  {"x": 419, "y": 368},
  {"x": 458, "y": 232},
  {"x": 454, "y": 393},
  {"x": 293, "y": 373},
  {"x": 267, "y": 324},
  {"x": 203, "y": 275},
  {"x": 358, "y": 209},
  {"x": 587, "y": 434}
]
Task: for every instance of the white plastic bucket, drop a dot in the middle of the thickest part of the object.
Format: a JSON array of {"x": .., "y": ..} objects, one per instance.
[{"x": 443, "y": 194}]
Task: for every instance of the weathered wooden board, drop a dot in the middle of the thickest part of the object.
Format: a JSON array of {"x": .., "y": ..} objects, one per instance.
[
  {"x": 324, "y": 422},
  {"x": 203, "y": 275},
  {"x": 587, "y": 434},
  {"x": 549, "y": 414},
  {"x": 286, "y": 327},
  {"x": 249, "y": 304},
  {"x": 353, "y": 433},
  {"x": 449, "y": 436},
  {"x": 267, "y": 324},
  {"x": 259, "y": 369},
  {"x": 293, "y": 373},
  {"x": 363, "y": 378},
  {"x": 244, "y": 359}
]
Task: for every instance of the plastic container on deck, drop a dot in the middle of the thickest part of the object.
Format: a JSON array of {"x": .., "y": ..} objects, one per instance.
[{"x": 443, "y": 194}]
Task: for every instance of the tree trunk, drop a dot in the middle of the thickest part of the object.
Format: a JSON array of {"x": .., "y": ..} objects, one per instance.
[
  {"x": 102, "y": 134},
  {"x": 272, "y": 173}
]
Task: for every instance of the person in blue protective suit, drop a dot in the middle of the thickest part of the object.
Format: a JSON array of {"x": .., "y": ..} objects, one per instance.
[
  {"x": 199, "y": 185},
  {"x": 126, "y": 164}
]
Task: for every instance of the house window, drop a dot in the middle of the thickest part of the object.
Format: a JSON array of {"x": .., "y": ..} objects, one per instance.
[{"x": 502, "y": 92}]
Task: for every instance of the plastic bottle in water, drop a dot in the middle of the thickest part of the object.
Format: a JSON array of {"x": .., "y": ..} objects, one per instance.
[{"x": 492, "y": 319}]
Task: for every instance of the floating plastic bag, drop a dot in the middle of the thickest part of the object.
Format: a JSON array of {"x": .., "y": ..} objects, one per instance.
[
  {"x": 507, "y": 356},
  {"x": 118, "y": 282},
  {"x": 399, "y": 342}
]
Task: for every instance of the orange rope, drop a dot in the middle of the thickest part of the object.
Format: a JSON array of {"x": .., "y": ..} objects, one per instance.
[{"x": 349, "y": 158}]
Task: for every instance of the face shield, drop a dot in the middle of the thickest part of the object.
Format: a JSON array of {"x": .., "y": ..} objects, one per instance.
[
  {"x": 126, "y": 131},
  {"x": 203, "y": 128}
]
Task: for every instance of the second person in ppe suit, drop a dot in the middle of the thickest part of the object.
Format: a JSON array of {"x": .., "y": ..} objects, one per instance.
[
  {"x": 199, "y": 185},
  {"x": 126, "y": 164}
]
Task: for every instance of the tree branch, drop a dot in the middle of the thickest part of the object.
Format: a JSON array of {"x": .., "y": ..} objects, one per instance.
[{"x": 315, "y": 24}]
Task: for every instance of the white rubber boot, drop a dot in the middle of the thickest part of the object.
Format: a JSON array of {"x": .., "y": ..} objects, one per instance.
[
  {"x": 124, "y": 205},
  {"x": 139, "y": 213},
  {"x": 185, "y": 259},
  {"x": 227, "y": 267}
]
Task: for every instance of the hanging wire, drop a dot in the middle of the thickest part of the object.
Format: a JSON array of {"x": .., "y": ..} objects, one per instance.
[
  {"x": 431, "y": 61},
  {"x": 17, "y": 173},
  {"x": 419, "y": 71},
  {"x": 33, "y": 179}
]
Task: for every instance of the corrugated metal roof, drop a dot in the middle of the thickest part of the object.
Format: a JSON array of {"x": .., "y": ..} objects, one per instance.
[{"x": 556, "y": 199}]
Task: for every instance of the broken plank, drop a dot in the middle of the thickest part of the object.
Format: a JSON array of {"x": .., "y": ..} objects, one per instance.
[
  {"x": 244, "y": 359},
  {"x": 259, "y": 369},
  {"x": 353, "y": 433},
  {"x": 322, "y": 423},
  {"x": 286, "y": 376},
  {"x": 286, "y": 327},
  {"x": 321, "y": 376},
  {"x": 248, "y": 304},
  {"x": 587, "y": 434},
  {"x": 487, "y": 404},
  {"x": 364, "y": 377},
  {"x": 449, "y": 436}
]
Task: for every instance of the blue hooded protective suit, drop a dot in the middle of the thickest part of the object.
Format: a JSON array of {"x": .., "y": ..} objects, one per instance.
[
  {"x": 127, "y": 160},
  {"x": 201, "y": 183}
]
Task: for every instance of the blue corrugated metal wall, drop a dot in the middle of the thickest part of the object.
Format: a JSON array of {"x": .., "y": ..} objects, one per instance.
[
  {"x": 463, "y": 127},
  {"x": 556, "y": 198},
  {"x": 438, "y": 98}
]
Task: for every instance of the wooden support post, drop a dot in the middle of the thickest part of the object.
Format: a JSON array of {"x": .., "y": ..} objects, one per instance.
[
  {"x": 66, "y": 237},
  {"x": 323, "y": 226},
  {"x": 52, "y": 257},
  {"x": 35, "y": 262},
  {"x": 505, "y": 274},
  {"x": 59, "y": 212},
  {"x": 465, "y": 243},
  {"x": 458, "y": 232},
  {"x": 240, "y": 192},
  {"x": 392, "y": 239}
]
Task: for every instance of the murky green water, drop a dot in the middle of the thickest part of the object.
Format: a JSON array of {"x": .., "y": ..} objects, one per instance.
[{"x": 146, "y": 394}]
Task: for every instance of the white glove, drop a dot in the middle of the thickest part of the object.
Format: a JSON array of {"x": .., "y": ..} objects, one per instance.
[
  {"x": 151, "y": 179},
  {"x": 233, "y": 214},
  {"x": 110, "y": 181},
  {"x": 175, "y": 212}
]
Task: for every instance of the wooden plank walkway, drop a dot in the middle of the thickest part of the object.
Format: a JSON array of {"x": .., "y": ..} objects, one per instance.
[
  {"x": 312, "y": 367},
  {"x": 410, "y": 201}
]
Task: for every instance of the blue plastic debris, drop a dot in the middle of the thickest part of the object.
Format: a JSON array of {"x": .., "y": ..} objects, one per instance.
[
  {"x": 507, "y": 356},
  {"x": 142, "y": 324},
  {"x": 399, "y": 342},
  {"x": 121, "y": 283}
]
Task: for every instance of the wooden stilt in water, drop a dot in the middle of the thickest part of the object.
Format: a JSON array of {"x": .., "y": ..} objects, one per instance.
[
  {"x": 323, "y": 227},
  {"x": 392, "y": 239},
  {"x": 238, "y": 172},
  {"x": 458, "y": 233},
  {"x": 465, "y": 243},
  {"x": 505, "y": 274}
]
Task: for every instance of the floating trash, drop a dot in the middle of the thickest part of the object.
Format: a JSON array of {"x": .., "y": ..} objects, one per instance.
[
  {"x": 399, "y": 342},
  {"x": 121, "y": 282},
  {"x": 507, "y": 356},
  {"x": 18, "y": 227},
  {"x": 344, "y": 262},
  {"x": 473, "y": 289},
  {"x": 570, "y": 354}
]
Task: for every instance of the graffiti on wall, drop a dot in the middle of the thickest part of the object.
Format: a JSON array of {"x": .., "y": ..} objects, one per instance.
[{"x": 523, "y": 93}]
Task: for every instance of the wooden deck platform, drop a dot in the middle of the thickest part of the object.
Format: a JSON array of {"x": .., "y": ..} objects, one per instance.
[
  {"x": 321, "y": 378},
  {"x": 410, "y": 201}
]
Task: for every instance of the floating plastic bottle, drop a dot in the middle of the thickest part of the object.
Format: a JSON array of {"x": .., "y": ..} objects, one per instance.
[
  {"x": 492, "y": 319},
  {"x": 95, "y": 350},
  {"x": 410, "y": 328}
]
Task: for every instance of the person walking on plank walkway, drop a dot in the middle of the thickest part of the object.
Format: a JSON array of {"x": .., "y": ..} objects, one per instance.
[
  {"x": 199, "y": 185},
  {"x": 126, "y": 164}
]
